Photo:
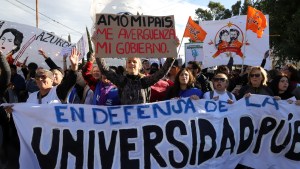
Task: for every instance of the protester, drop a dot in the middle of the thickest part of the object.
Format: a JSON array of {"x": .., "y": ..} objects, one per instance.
[
  {"x": 292, "y": 73},
  {"x": 48, "y": 93},
  {"x": 159, "y": 89},
  {"x": 279, "y": 86},
  {"x": 201, "y": 81},
  {"x": 145, "y": 67},
  {"x": 29, "y": 74},
  {"x": 220, "y": 83},
  {"x": 57, "y": 71},
  {"x": 17, "y": 85},
  {"x": 105, "y": 93},
  {"x": 257, "y": 83},
  {"x": 10, "y": 155},
  {"x": 134, "y": 88},
  {"x": 184, "y": 86}
]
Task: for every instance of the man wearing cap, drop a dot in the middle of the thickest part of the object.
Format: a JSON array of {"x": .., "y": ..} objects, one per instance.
[{"x": 48, "y": 93}]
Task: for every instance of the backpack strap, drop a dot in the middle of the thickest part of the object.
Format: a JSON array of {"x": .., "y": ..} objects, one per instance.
[
  {"x": 230, "y": 95},
  {"x": 211, "y": 94}
]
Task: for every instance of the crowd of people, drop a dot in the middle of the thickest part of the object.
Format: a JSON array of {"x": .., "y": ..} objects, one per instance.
[{"x": 138, "y": 82}]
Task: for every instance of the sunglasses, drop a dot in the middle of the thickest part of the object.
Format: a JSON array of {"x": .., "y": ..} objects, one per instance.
[
  {"x": 254, "y": 75},
  {"x": 38, "y": 77},
  {"x": 219, "y": 79}
]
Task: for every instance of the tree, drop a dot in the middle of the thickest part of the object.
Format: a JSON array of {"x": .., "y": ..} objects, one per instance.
[
  {"x": 215, "y": 11},
  {"x": 284, "y": 19}
]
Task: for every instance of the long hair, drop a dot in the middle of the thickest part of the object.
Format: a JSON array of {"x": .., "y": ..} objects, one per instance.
[
  {"x": 174, "y": 91},
  {"x": 275, "y": 82},
  {"x": 263, "y": 74}
]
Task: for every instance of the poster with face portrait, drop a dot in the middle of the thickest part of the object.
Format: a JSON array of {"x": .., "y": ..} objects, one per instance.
[
  {"x": 21, "y": 42},
  {"x": 227, "y": 40}
]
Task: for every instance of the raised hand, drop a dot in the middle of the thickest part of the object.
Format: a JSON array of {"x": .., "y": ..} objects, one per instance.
[
  {"x": 92, "y": 58},
  {"x": 74, "y": 58},
  {"x": 41, "y": 52}
]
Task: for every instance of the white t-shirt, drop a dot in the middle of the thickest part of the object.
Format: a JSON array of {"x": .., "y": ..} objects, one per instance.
[
  {"x": 223, "y": 96},
  {"x": 51, "y": 97}
]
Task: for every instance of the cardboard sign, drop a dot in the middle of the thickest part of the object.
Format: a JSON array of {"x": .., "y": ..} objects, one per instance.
[{"x": 125, "y": 36}]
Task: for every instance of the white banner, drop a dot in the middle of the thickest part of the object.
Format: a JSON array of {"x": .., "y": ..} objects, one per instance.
[
  {"x": 26, "y": 40},
  {"x": 259, "y": 132},
  {"x": 228, "y": 38},
  {"x": 193, "y": 52}
]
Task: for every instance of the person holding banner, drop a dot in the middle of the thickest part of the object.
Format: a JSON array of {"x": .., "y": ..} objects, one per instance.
[
  {"x": 184, "y": 86},
  {"x": 280, "y": 87},
  {"x": 48, "y": 93},
  {"x": 257, "y": 83},
  {"x": 220, "y": 82},
  {"x": 10, "y": 149},
  {"x": 134, "y": 88},
  {"x": 105, "y": 93}
]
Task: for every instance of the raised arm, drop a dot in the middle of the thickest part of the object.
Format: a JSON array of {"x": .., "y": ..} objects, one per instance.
[
  {"x": 64, "y": 88},
  {"x": 4, "y": 75},
  {"x": 48, "y": 60},
  {"x": 110, "y": 75},
  {"x": 151, "y": 80}
]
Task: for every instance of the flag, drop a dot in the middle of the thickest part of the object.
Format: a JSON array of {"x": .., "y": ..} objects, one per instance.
[
  {"x": 256, "y": 21},
  {"x": 194, "y": 31},
  {"x": 227, "y": 39}
]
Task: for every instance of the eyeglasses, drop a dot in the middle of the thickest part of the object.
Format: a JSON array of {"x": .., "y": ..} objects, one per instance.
[
  {"x": 38, "y": 77},
  {"x": 219, "y": 79},
  {"x": 254, "y": 75}
]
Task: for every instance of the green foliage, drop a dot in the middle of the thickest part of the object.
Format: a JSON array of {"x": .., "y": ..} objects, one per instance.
[{"x": 284, "y": 19}]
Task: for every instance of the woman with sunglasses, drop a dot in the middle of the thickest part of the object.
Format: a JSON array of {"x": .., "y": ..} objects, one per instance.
[
  {"x": 257, "y": 83},
  {"x": 220, "y": 83},
  {"x": 184, "y": 86}
]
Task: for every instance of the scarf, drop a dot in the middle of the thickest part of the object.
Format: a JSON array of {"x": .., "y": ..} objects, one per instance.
[{"x": 101, "y": 92}]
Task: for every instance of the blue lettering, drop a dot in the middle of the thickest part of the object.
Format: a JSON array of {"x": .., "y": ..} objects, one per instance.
[
  {"x": 127, "y": 113},
  {"x": 59, "y": 114},
  {"x": 95, "y": 116},
  {"x": 112, "y": 115},
  {"x": 251, "y": 104},
  {"x": 179, "y": 107},
  {"x": 222, "y": 104},
  {"x": 141, "y": 112},
  {"x": 79, "y": 114},
  {"x": 210, "y": 103},
  {"x": 274, "y": 103},
  {"x": 157, "y": 108},
  {"x": 189, "y": 105}
]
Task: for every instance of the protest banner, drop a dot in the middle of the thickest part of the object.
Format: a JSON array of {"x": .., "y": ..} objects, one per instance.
[
  {"x": 193, "y": 52},
  {"x": 170, "y": 134},
  {"x": 25, "y": 41},
  {"x": 122, "y": 36},
  {"x": 227, "y": 38}
]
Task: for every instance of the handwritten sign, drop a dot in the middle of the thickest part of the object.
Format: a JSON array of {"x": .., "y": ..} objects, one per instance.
[{"x": 121, "y": 36}]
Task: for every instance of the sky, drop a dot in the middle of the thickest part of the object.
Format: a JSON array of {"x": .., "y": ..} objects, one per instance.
[{"x": 64, "y": 17}]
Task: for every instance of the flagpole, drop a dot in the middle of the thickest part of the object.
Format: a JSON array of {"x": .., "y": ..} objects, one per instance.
[
  {"x": 244, "y": 50},
  {"x": 179, "y": 46}
]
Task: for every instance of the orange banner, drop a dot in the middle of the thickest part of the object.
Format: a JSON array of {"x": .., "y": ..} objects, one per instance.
[
  {"x": 194, "y": 31},
  {"x": 256, "y": 21}
]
